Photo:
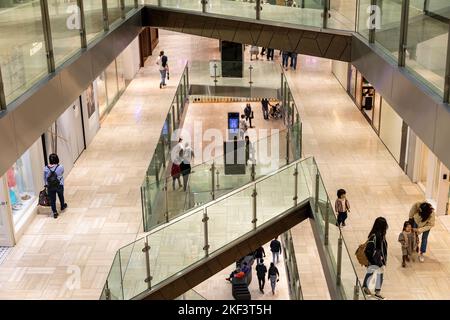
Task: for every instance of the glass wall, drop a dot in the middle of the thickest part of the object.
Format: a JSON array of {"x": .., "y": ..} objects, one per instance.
[
  {"x": 427, "y": 41},
  {"x": 342, "y": 15},
  {"x": 111, "y": 83},
  {"x": 65, "y": 26},
  {"x": 114, "y": 12},
  {"x": 129, "y": 5},
  {"x": 101, "y": 92},
  {"x": 387, "y": 32},
  {"x": 182, "y": 4},
  {"x": 364, "y": 18},
  {"x": 233, "y": 8},
  {"x": 292, "y": 12},
  {"x": 93, "y": 17},
  {"x": 22, "y": 48}
]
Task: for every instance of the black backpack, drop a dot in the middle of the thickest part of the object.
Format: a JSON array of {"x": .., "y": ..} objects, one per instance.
[{"x": 52, "y": 179}]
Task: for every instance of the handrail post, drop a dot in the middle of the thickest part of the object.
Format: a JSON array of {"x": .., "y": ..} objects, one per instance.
[
  {"x": 258, "y": 9},
  {"x": 2, "y": 93},
  {"x": 316, "y": 204},
  {"x": 217, "y": 182},
  {"x": 326, "y": 10},
  {"x": 373, "y": 4},
  {"x": 296, "y": 185},
  {"x": 204, "y": 3},
  {"x": 288, "y": 132},
  {"x": 205, "y": 231},
  {"x": 327, "y": 223},
  {"x": 105, "y": 15},
  {"x": 82, "y": 25},
  {"x": 136, "y": 4},
  {"x": 213, "y": 192},
  {"x": 255, "y": 219},
  {"x": 166, "y": 201},
  {"x": 122, "y": 9},
  {"x": 356, "y": 291},
  {"x": 149, "y": 278},
  {"x": 107, "y": 291},
  {"x": 47, "y": 36},
  {"x": 403, "y": 33},
  {"x": 253, "y": 172},
  {"x": 339, "y": 260}
]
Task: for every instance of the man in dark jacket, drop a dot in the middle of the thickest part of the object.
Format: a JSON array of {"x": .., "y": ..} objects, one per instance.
[
  {"x": 265, "y": 108},
  {"x": 259, "y": 254},
  {"x": 248, "y": 114},
  {"x": 261, "y": 271},
  {"x": 275, "y": 247}
]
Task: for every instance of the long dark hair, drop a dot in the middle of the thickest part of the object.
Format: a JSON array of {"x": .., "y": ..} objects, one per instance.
[
  {"x": 425, "y": 211},
  {"x": 380, "y": 227}
]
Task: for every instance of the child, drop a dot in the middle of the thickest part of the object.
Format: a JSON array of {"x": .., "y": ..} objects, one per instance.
[
  {"x": 342, "y": 206},
  {"x": 409, "y": 240}
]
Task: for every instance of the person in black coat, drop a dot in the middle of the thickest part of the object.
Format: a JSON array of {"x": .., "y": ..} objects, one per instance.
[
  {"x": 376, "y": 252},
  {"x": 261, "y": 271}
]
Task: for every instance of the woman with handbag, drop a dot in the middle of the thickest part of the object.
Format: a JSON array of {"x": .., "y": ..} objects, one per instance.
[
  {"x": 376, "y": 253},
  {"x": 422, "y": 218}
]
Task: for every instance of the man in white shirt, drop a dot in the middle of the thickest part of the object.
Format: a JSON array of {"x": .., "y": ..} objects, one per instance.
[{"x": 163, "y": 68}]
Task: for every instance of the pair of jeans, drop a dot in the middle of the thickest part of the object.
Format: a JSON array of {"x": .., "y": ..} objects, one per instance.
[
  {"x": 275, "y": 256},
  {"x": 163, "y": 77},
  {"x": 261, "y": 282},
  {"x": 52, "y": 195},
  {"x": 266, "y": 113},
  {"x": 294, "y": 62},
  {"x": 273, "y": 282},
  {"x": 285, "y": 57},
  {"x": 270, "y": 54},
  {"x": 370, "y": 271},
  {"x": 424, "y": 240},
  {"x": 342, "y": 216}
]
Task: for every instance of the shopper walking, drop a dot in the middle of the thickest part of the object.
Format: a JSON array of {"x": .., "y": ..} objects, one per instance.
[
  {"x": 265, "y": 108},
  {"x": 254, "y": 50},
  {"x": 275, "y": 248},
  {"x": 376, "y": 253},
  {"x": 248, "y": 114},
  {"x": 259, "y": 254},
  {"x": 409, "y": 241},
  {"x": 270, "y": 54},
  {"x": 422, "y": 217},
  {"x": 176, "y": 169},
  {"x": 163, "y": 68},
  {"x": 261, "y": 271},
  {"x": 273, "y": 276},
  {"x": 294, "y": 60},
  {"x": 242, "y": 127},
  {"x": 285, "y": 59},
  {"x": 185, "y": 166},
  {"x": 342, "y": 207},
  {"x": 54, "y": 182}
]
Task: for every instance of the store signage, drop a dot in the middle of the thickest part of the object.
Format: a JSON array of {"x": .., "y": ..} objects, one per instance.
[
  {"x": 35, "y": 47},
  {"x": 73, "y": 22}
]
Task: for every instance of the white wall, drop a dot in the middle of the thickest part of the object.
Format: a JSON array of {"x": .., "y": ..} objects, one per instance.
[
  {"x": 340, "y": 70},
  {"x": 91, "y": 124},
  {"x": 391, "y": 129},
  {"x": 131, "y": 59}
]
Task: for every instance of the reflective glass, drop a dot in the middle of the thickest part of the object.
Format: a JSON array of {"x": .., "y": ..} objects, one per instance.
[
  {"x": 365, "y": 18},
  {"x": 244, "y": 9},
  {"x": 342, "y": 15},
  {"x": 93, "y": 17},
  {"x": 293, "y": 12},
  {"x": 22, "y": 49},
  {"x": 114, "y": 11},
  {"x": 387, "y": 31},
  {"x": 182, "y": 4}
]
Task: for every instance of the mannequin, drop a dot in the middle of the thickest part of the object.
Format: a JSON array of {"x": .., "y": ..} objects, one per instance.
[{"x": 16, "y": 203}]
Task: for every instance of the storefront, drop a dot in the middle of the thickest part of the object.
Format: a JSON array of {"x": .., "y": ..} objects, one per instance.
[{"x": 19, "y": 188}]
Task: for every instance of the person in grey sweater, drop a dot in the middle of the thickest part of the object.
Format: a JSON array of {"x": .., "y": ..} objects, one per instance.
[{"x": 54, "y": 182}]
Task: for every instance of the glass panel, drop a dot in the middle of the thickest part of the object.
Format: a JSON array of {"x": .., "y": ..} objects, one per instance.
[
  {"x": 348, "y": 275},
  {"x": 22, "y": 49},
  {"x": 387, "y": 34},
  {"x": 136, "y": 270},
  {"x": 376, "y": 112},
  {"x": 365, "y": 18},
  {"x": 182, "y": 4},
  {"x": 342, "y": 15},
  {"x": 427, "y": 41},
  {"x": 129, "y": 5},
  {"x": 111, "y": 83},
  {"x": 281, "y": 187},
  {"x": 232, "y": 8},
  {"x": 287, "y": 11},
  {"x": 65, "y": 26},
  {"x": 176, "y": 247},
  {"x": 93, "y": 16},
  {"x": 230, "y": 219},
  {"x": 114, "y": 12},
  {"x": 120, "y": 72},
  {"x": 115, "y": 279}
]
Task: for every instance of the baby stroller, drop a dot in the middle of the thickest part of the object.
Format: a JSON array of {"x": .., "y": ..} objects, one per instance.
[{"x": 275, "y": 111}]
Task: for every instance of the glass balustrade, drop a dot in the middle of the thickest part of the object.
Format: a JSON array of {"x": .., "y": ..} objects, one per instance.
[{"x": 204, "y": 231}]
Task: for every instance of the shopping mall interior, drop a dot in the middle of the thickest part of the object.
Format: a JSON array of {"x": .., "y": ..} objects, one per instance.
[{"x": 357, "y": 99}]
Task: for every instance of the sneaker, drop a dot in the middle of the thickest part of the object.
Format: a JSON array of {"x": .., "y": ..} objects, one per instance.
[
  {"x": 421, "y": 258},
  {"x": 343, "y": 224},
  {"x": 55, "y": 215},
  {"x": 404, "y": 264},
  {"x": 379, "y": 296},
  {"x": 64, "y": 207},
  {"x": 366, "y": 291}
]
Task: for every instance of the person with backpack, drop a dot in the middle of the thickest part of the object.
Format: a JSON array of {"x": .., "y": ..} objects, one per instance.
[
  {"x": 275, "y": 247},
  {"x": 422, "y": 218},
  {"x": 163, "y": 68},
  {"x": 54, "y": 182},
  {"x": 376, "y": 253},
  {"x": 261, "y": 271}
]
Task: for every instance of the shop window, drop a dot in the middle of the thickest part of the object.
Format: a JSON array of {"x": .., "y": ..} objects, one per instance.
[{"x": 19, "y": 179}]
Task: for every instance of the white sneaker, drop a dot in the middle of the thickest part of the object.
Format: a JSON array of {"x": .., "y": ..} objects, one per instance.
[{"x": 421, "y": 258}]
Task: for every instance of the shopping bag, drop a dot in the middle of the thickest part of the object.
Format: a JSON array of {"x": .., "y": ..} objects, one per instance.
[{"x": 44, "y": 199}]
